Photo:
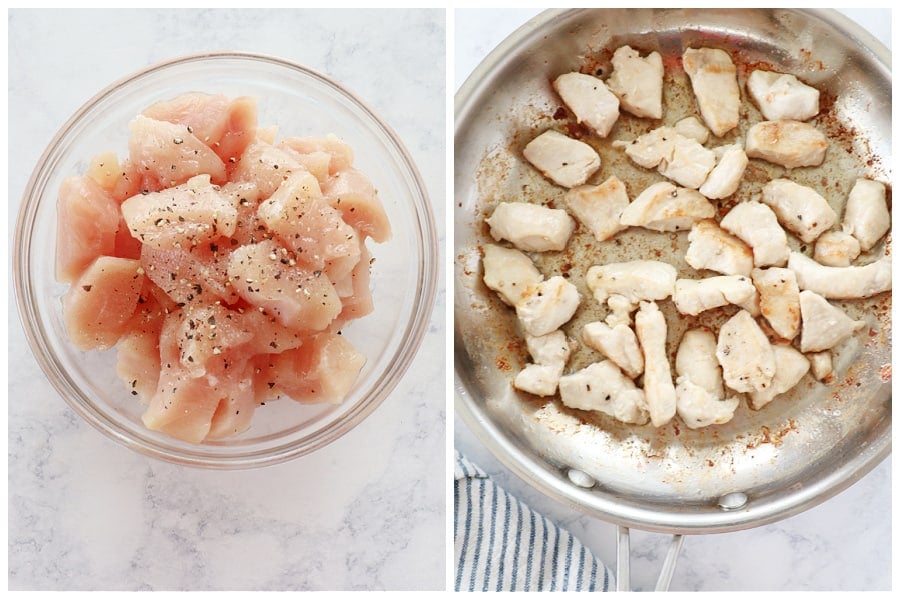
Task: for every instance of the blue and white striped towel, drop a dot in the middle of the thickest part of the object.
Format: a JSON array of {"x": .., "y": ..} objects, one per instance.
[{"x": 502, "y": 545}]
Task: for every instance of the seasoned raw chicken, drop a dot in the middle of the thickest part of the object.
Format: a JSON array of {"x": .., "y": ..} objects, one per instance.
[
  {"x": 548, "y": 305},
  {"x": 509, "y": 272},
  {"x": 746, "y": 356},
  {"x": 531, "y": 227},
  {"x": 714, "y": 81},
  {"x": 799, "y": 208},
  {"x": 820, "y": 364},
  {"x": 549, "y": 353},
  {"x": 589, "y": 98},
  {"x": 725, "y": 177},
  {"x": 787, "y": 143},
  {"x": 563, "y": 160},
  {"x": 680, "y": 158},
  {"x": 841, "y": 282},
  {"x": 836, "y": 249},
  {"x": 790, "y": 367},
  {"x": 779, "y": 299},
  {"x": 599, "y": 207},
  {"x": 824, "y": 324},
  {"x": 757, "y": 225},
  {"x": 650, "y": 327},
  {"x": 866, "y": 216},
  {"x": 601, "y": 386},
  {"x": 633, "y": 281},
  {"x": 168, "y": 154},
  {"x": 637, "y": 82},
  {"x": 699, "y": 392},
  {"x": 693, "y": 296},
  {"x": 87, "y": 220},
  {"x": 692, "y": 127},
  {"x": 711, "y": 247},
  {"x": 619, "y": 344},
  {"x": 664, "y": 207},
  {"x": 782, "y": 96}
]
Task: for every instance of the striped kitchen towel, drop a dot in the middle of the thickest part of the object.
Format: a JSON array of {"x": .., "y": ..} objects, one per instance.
[{"x": 502, "y": 545}]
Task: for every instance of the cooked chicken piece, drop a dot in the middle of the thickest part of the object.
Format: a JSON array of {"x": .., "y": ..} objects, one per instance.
[
  {"x": 549, "y": 353},
  {"x": 680, "y": 158},
  {"x": 866, "y": 216},
  {"x": 618, "y": 344},
  {"x": 531, "y": 227},
  {"x": 782, "y": 96},
  {"x": 632, "y": 281},
  {"x": 693, "y": 296},
  {"x": 790, "y": 367},
  {"x": 841, "y": 282},
  {"x": 637, "y": 82},
  {"x": 601, "y": 386},
  {"x": 799, "y": 208},
  {"x": 836, "y": 249},
  {"x": 757, "y": 225},
  {"x": 664, "y": 207},
  {"x": 599, "y": 207},
  {"x": 820, "y": 364},
  {"x": 746, "y": 356},
  {"x": 787, "y": 143},
  {"x": 714, "y": 80},
  {"x": 509, "y": 272},
  {"x": 540, "y": 380},
  {"x": 589, "y": 98},
  {"x": 692, "y": 127},
  {"x": 699, "y": 392},
  {"x": 779, "y": 299},
  {"x": 649, "y": 149},
  {"x": 711, "y": 247},
  {"x": 620, "y": 309},
  {"x": 824, "y": 324},
  {"x": 548, "y": 305},
  {"x": 726, "y": 176},
  {"x": 561, "y": 159},
  {"x": 650, "y": 327}
]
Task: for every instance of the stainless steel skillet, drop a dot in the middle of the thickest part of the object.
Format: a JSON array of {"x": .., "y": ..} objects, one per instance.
[{"x": 784, "y": 459}]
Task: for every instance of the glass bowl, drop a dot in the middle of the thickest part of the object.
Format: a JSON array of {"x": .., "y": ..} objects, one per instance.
[{"x": 299, "y": 101}]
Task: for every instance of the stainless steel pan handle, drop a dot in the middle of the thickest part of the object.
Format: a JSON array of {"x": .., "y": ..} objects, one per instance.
[{"x": 623, "y": 561}]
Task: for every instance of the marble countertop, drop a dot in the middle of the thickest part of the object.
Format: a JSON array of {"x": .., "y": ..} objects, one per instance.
[
  {"x": 365, "y": 512},
  {"x": 842, "y": 544}
]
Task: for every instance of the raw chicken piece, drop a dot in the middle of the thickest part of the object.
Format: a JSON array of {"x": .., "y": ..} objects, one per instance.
[
  {"x": 105, "y": 170},
  {"x": 549, "y": 353},
  {"x": 137, "y": 363},
  {"x": 787, "y": 143},
  {"x": 599, "y": 208},
  {"x": 799, "y": 208},
  {"x": 196, "y": 275},
  {"x": 790, "y": 367},
  {"x": 866, "y": 216},
  {"x": 588, "y": 97},
  {"x": 782, "y": 96},
  {"x": 841, "y": 282},
  {"x": 725, "y": 177},
  {"x": 351, "y": 193},
  {"x": 711, "y": 247},
  {"x": 204, "y": 333},
  {"x": 548, "y": 305},
  {"x": 699, "y": 393},
  {"x": 664, "y": 207},
  {"x": 650, "y": 327},
  {"x": 820, "y": 364},
  {"x": 757, "y": 225},
  {"x": 637, "y": 82},
  {"x": 693, "y": 296},
  {"x": 531, "y": 227},
  {"x": 779, "y": 300},
  {"x": 87, "y": 221},
  {"x": 746, "y": 356},
  {"x": 824, "y": 324},
  {"x": 692, "y": 127},
  {"x": 632, "y": 281},
  {"x": 714, "y": 81},
  {"x": 265, "y": 166},
  {"x": 340, "y": 153},
  {"x": 836, "y": 249},
  {"x": 170, "y": 154},
  {"x": 509, "y": 272},
  {"x": 680, "y": 158},
  {"x": 619, "y": 344},
  {"x": 563, "y": 160},
  {"x": 601, "y": 386}
]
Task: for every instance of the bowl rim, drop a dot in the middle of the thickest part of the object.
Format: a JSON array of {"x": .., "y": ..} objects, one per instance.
[{"x": 384, "y": 383}]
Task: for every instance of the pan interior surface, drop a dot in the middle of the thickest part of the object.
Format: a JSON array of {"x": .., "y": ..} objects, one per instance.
[{"x": 797, "y": 451}]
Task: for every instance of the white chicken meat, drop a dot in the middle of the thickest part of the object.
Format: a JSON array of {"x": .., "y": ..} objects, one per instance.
[
  {"x": 757, "y": 225},
  {"x": 779, "y": 300},
  {"x": 820, "y": 364},
  {"x": 711, "y": 247},
  {"x": 782, "y": 96},
  {"x": 589, "y": 98},
  {"x": 651, "y": 329},
  {"x": 619, "y": 344},
  {"x": 824, "y": 324},
  {"x": 745, "y": 354},
  {"x": 509, "y": 272},
  {"x": 799, "y": 208},
  {"x": 531, "y": 227},
  {"x": 631, "y": 281},
  {"x": 866, "y": 216},
  {"x": 637, "y": 82},
  {"x": 714, "y": 81},
  {"x": 790, "y": 367},
  {"x": 549, "y": 353},
  {"x": 841, "y": 282},
  {"x": 699, "y": 392},
  {"x": 692, "y": 127},
  {"x": 599, "y": 207},
  {"x": 787, "y": 143},
  {"x": 548, "y": 305},
  {"x": 693, "y": 296},
  {"x": 682, "y": 159},
  {"x": 725, "y": 178},
  {"x": 565, "y": 161},
  {"x": 664, "y": 207},
  {"x": 601, "y": 386},
  {"x": 836, "y": 249}
]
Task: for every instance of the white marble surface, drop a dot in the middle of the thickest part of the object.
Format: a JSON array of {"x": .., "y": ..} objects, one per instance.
[
  {"x": 843, "y": 544},
  {"x": 366, "y": 512}
]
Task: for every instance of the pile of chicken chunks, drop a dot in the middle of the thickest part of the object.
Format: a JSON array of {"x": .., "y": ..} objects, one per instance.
[{"x": 773, "y": 286}]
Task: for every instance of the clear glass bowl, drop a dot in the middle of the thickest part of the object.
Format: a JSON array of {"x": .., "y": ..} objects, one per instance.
[{"x": 298, "y": 101}]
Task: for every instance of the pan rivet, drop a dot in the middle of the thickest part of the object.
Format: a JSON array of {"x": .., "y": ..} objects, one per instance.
[
  {"x": 733, "y": 501},
  {"x": 581, "y": 479}
]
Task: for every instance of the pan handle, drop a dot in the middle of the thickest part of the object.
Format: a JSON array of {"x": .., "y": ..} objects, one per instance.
[{"x": 623, "y": 561}]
